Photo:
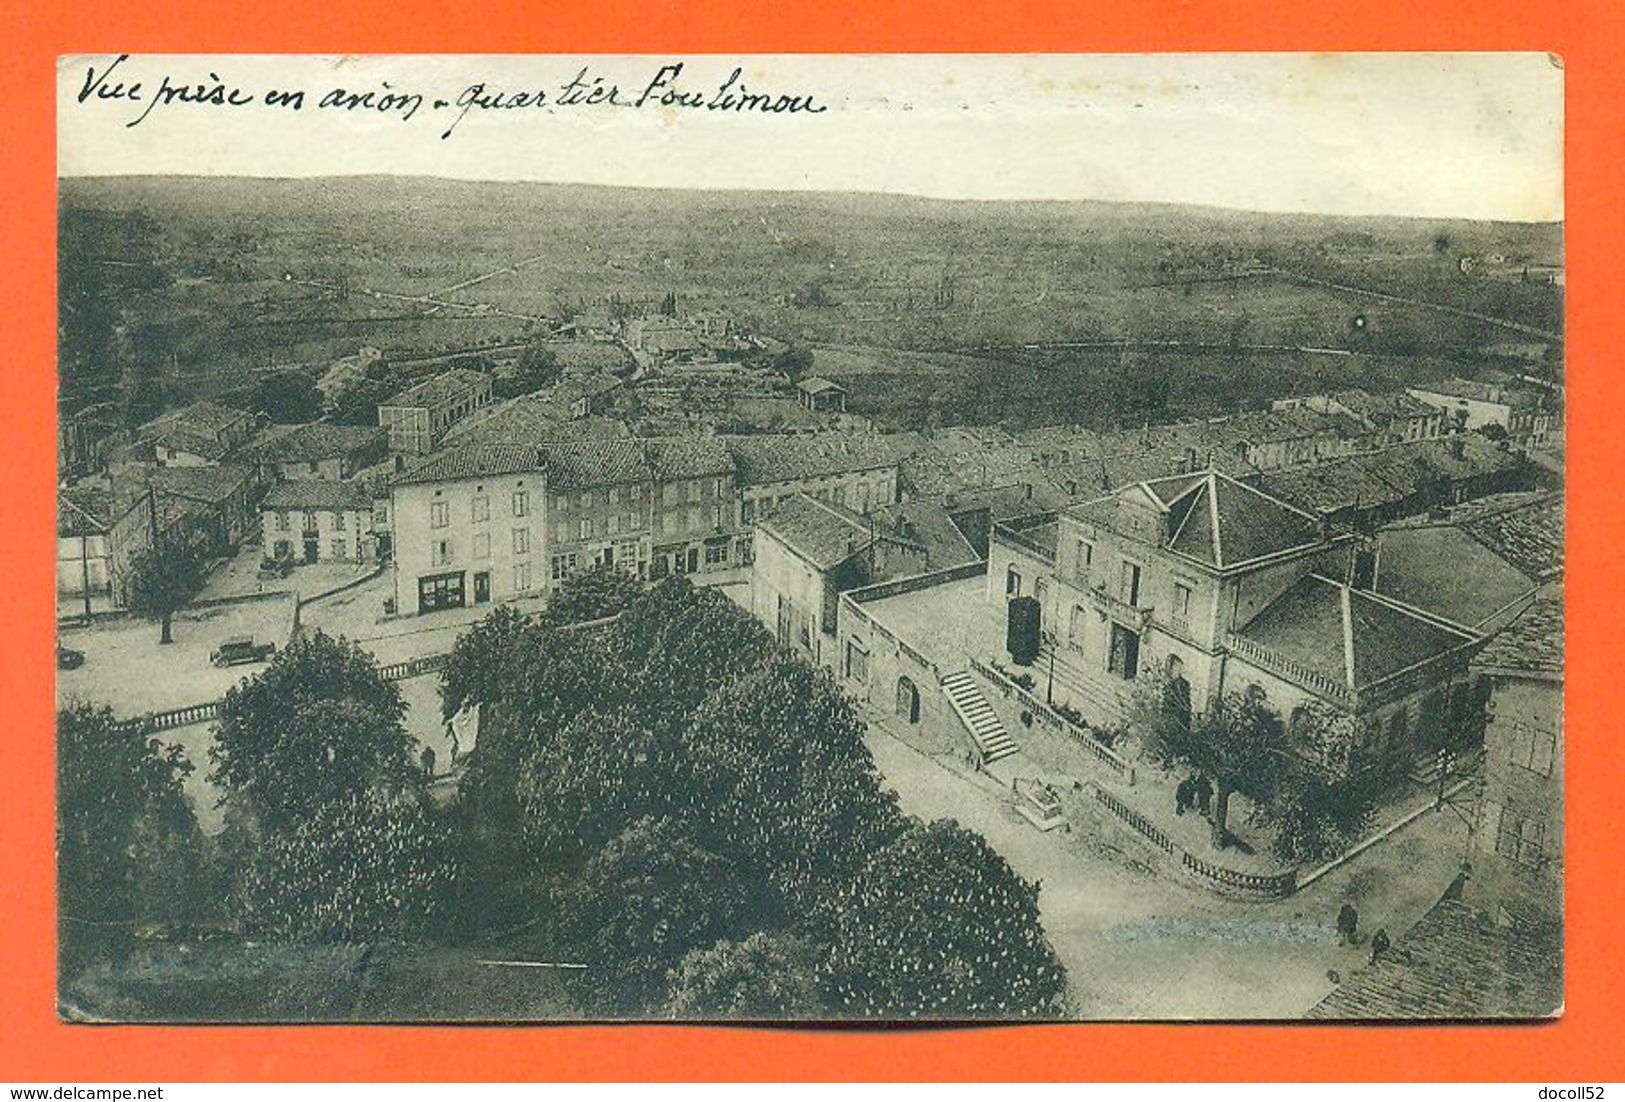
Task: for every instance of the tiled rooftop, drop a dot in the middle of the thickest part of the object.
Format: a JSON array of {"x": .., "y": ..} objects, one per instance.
[
  {"x": 825, "y": 535},
  {"x": 448, "y": 386},
  {"x": 1456, "y": 963},
  {"x": 314, "y": 493},
  {"x": 1533, "y": 642},
  {"x": 474, "y": 461},
  {"x": 321, "y": 440},
  {"x": 1316, "y": 621}
]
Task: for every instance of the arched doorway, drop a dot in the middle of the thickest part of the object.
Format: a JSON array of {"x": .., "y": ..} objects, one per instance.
[{"x": 908, "y": 700}]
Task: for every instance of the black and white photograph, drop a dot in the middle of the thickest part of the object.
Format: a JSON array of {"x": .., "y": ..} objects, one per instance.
[{"x": 810, "y": 538}]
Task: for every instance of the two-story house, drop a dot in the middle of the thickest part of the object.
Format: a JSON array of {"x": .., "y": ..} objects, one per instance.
[
  {"x": 1208, "y": 579},
  {"x": 468, "y": 527},
  {"x": 418, "y": 417},
  {"x": 198, "y": 435},
  {"x": 312, "y": 521},
  {"x": 599, "y": 509},
  {"x": 319, "y": 450}
]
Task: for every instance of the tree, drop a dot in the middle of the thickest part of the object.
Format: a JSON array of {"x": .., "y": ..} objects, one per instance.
[
  {"x": 1240, "y": 741},
  {"x": 318, "y": 726},
  {"x": 367, "y": 865},
  {"x": 938, "y": 926},
  {"x": 357, "y": 404},
  {"x": 537, "y": 366},
  {"x": 127, "y": 841},
  {"x": 648, "y": 898},
  {"x": 602, "y": 773},
  {"x": 780, "y": 781},
  {"x": 1315, "y": 814},
  {"x": 794, "y": 362},
  {"x": 1161, "y": 713},
  {"x": 163, "y": 578},
  {"x": 592, "y": 595},
  {"x": 765, "y": 977},
  {"x": 287, "y": 397}
]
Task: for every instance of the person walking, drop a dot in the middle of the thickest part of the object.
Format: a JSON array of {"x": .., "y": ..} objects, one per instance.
[
  {"x": 1348, "y": 924},
  {"x": 427, "y": 760},
  {"x": 1379, "y": 944},
  {"x": 1184, "y": 796}
]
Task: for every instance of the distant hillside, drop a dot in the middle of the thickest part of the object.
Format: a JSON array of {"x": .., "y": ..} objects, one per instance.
[{"x": 200, "y": 265}]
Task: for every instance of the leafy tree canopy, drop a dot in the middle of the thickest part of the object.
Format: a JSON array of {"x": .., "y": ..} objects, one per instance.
[
  {"x": 287, "y": 397},
  {"x": 318, "y": 725},
  {"x": 592, "y": 595},
  {"x": 163, "y": 578},
  {"x": 765, "y": 977}
]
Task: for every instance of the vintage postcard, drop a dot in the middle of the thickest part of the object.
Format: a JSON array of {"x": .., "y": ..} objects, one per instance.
[{"x": 816, "y": 538}]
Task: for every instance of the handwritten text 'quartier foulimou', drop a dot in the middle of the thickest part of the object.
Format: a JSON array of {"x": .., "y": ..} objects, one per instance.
[{"x": 585, "y": 89}]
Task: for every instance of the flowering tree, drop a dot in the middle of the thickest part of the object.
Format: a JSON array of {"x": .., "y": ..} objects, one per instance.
[
  {"x": 766, "y": 976},
  {"x": 937, "y": 925},
  {"x": 366, "y": 866}
]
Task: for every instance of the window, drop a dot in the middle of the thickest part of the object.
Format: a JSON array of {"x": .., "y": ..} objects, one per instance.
[
  {"x": 634, "y": 492},
  {"x": 1131, "y": 583},
  {"x": 670, "y": 494},
  {"x": 338, "y": 522},
  {"x": 693, "y": 491},
  {"x": 615, "y": 524},
  {"x": 439, "y": 514},
  {"x": 1533, "y": 749},
  {"x": 482, "y": 545},
  {"x": 1086, "y": 556},
  {"x": 341, "y": 550},
  {"x": 563, "y": 566},
  {"x": 380, "y": 513},
  {"x": 1012, "y": 583},
  {"x": 717, "y": 555},
  {"x": 440, "y": 552},
  {"x": 613, "y": 496},
  {"x": 521, "y": 576},
  {"x": 747, "y": 511},
  {"x": 857, "y": 662},
  {"x": 282, "y": 523},
  {"x": 521, "y": 503},
  {"x": 695, "y": 520},
  {"x": 586, "y": 499},
  {"x": 716, "y": 487},
  {"x": 481, "y": 508},
  {"x": 716, "y": 516},
  {"x": 521, "y": 541},
  {"x": 563, "y": 531},
  {"x": 633, "y": 523},
  {"x": 839, "y": 494},
  {"x": 1182, "y": 600},
  {"x": 313, "y": 467},
  {"x": 584, "y": 528},
  {"x": 1077, "y": 627},
  {"x": 310, "y": 520},
  {"x": 1518, "y": 838}
]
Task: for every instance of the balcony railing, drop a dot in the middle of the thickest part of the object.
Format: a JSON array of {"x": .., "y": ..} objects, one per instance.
[
  {"x": 1117, "y": 608},
  {"x": 1290, "y": 669}
]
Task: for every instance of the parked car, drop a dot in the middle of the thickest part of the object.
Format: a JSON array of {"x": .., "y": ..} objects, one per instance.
[
  {"x": 240, "y": 649},
  {"x": 69, "y": 659},
  {"x": 272, "y": 569}
]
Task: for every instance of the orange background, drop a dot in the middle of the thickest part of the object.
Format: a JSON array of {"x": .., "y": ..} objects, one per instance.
[{"x": 1583, "y": 1046}]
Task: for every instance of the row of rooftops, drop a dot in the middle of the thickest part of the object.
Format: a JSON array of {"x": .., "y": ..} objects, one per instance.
[{"x": 580, "y": 464}]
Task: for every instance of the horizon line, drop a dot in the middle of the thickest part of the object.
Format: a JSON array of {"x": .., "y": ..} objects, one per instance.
[{"x": 1558, "y": 221}]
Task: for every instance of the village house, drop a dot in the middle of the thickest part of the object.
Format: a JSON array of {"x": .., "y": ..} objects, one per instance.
[
  {"x": 99, "y": 533},
  {"x": 220, "y": 499},
  {"x": 809, "y": 552},
  {"x": 695, "y": 522},
  {"x": 599, "y": 511},
  {"x": 312, "y": 521},
  {"x": 468, "y": 526},
  {"x": 1368, "y": 490},
  {"x": 320, "y": 450},
  {"x": 1205, "y": 578},
  {"x": 820, "y": 395},
  {"x": 417, "y": 418},
  {"x": 1517, "y": 854},
  {"x": 201, "y": 434},
  {"x": 855, "y": 471},
  {"x": 1392, "y": 418},
  {"x": 1529, "y": 415}
]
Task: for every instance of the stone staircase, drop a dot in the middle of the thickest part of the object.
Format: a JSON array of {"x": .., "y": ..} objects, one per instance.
[{"x": 986, "y": 729}]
